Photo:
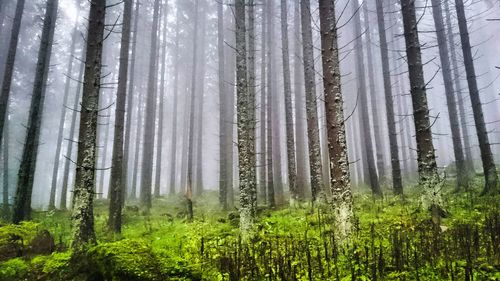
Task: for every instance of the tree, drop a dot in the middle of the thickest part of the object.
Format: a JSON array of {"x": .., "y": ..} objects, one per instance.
[
  {"x": 5, "y": 188},
  {"x": 149, "y": 127},
  {"x": 377, "y": 130},
  {"x": 222, "y": 108},
  {"x": 173, "y": 160},
  {"x": 427, "y": 167},
  {"x": 62, "y": 120},
  {"x": 311, "y": 107},
  {"x": 9, "y": 64},
  {"x": 271, "y": 190},
  {"x": 262, "y": 160},
  {"x": 365, "y": 129},
  {"x": 22, "y": 202},
  {"x": 159, "y": 142},
  {"x": 130, "y": 103},
  {"x": 83, "y": 214},
  {"x": 290, "y": 141},
  {"x": 437, "y": 13},
  {"x": 246, "y": 126},
  {"x": 116, "y": 183},
  {"x": 397, "y": 183},
  {"x": 340, "y": 185},
  {"x": 189, "y": 189},
  {"x": 489, "y": 167}
]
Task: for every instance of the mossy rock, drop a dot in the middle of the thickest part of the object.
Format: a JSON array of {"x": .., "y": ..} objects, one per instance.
[
  {"x": 25, "y": 239},
  {"x": 133, "y": 260}
]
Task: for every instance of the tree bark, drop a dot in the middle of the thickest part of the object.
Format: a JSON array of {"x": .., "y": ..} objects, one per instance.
[
  {"x": 149, "y": 127},
  {"x": 365, "y": 129},
  {"x": 489, "y": 167},
  {"x": 22, "y": 202},
  {"x": 246, "y": 126},
  {"x": 83, "y": 214},
  {"x": 262, "y": 194},
  {"x": 271, "y": 188},
  {"x": 311, "y": 107},
  {"x": 340, "y": 185},
  {"x": 427, "y": 167},
  {"x": 437, "y": 12},
  {"x": 397, "y": 183},
  {"x": 116, "y": 183},
  {"x": 9, "y": 63},
  {"x": 290, "y": 140}
]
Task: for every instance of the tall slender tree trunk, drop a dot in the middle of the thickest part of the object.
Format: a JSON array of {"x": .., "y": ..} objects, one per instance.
[
  {"x": 377, "y": 130},
  {"x": 62, "y": 120},
  {"x": 83, "y": 214},
  {"x": 116, "y": 183},
  {"x": 459, "y": 94},
  {"x": 246, "y": 126},
  {"x": 192, "y": 99},
  {"x": 200, "y": 116},
  {"x": 427, "y": 167},
  {"x": 489, "y": 167},
  {"x": 103, "y": 153},
  {"x": 311, "y": 107},
  {"x": 437, "y": 13},
  {"x": 161, "y": 105},
  {"x": 365, "y": 128},
  {"x": 22, "y": 202},
  {"x": 271, "y": 188},
  {"x": 72, "y": 137},
  {"x": 340, "y": 185},
  {"x": 139, "y": 132},
  {"x": 149, "y": 127},
  {"x": 222, "y": 108},
  {"x": 300, "y": 118},
  {"x": 397, "y": 183},
  {"x": 9, "y": 63},
  {"x": 290, "y": 141},
  {"x": 231, "y": 76},
  {"x": 173, "y": 145},
  {"x": 262, "y": 164},
  {"x": 130, "y": 105}
]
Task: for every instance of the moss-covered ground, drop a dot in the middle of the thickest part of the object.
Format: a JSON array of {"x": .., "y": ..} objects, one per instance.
[{"x": 392, "y": 239}]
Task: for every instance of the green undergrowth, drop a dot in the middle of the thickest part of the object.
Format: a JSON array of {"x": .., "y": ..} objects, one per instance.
[{"x": 392, "y": 239}]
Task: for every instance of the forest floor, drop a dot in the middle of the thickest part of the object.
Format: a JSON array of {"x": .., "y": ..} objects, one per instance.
[{"x": 392, "y": 239}]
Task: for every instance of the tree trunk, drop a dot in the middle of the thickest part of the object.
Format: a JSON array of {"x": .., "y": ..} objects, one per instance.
[
  {"x": 9, "y": 63},
  {"x": 262, "y": 194},
  {"x": 377, "y": 130},
  {"x": 290, "y": 141},
  {"x": 365, "y": 129},
  {"x": 22, "y": 202},
  {"x": 300, "y": 118},
  {"x": 103, "y": 153},
  {"x": 137, "y": 150},
  {"x": 130, "y": 106},
  {"x": 231, "y": 76},
  {"x": 116, "y": 183},
  {"x": 246, "y": 126},
  {"x": 340, "y": 185},
  {"x": 427, "y": 167},
  {"x": 83, "y": 214},
  {"x": 200, "y": 116},
  {"x": 159, "y": 141},
  {"x": 189, "y": 190},
  {"x": 437, "y": 12},
  {"x": 149, "y": 126},
  {"x": 311, "y": 107},
  {"x": 72, "y": 138},
  {"x": 173, "y": 145},
  {"x": 223, "y": 184},
  {"x": 62, "y": 120},
  {"x": 271, "y": 188},
  {"x": 397, "y": 183},
  {"x": 489, "y": 168}
]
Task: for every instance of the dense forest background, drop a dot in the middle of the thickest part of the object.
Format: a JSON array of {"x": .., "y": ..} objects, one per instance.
[{"x": 250, "y": 140}]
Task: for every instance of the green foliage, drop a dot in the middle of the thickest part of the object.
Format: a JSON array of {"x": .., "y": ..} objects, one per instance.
[
  {"x": 21, "y": 233},
  {"x": 13, "y": 269}
]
